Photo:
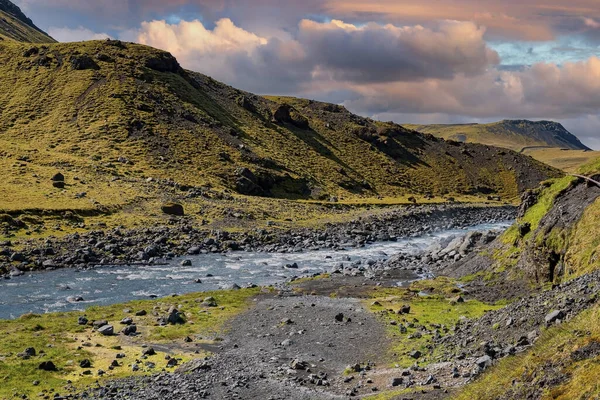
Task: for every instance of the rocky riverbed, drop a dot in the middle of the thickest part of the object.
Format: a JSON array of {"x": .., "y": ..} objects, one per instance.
[{"x": 153, "y": 245}]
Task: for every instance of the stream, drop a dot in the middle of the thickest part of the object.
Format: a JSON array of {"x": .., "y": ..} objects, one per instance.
[{"x": 52, "y": 291}]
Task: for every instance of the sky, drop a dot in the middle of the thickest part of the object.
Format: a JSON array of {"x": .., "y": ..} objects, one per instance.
[{"x": 425, "y": 61}]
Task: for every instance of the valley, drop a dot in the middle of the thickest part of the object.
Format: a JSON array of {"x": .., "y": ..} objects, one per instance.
[{"x": 164, "y": 235}]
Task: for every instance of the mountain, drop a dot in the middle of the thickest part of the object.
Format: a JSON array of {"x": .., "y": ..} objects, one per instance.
[
  {"x": 113, "y": 112},
  {"x": 14, "y": 25},
  {"x": 511, "y": 134}
]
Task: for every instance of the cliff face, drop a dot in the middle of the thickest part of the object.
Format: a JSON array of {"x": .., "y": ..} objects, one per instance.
[{"x": 512, "y": 134}]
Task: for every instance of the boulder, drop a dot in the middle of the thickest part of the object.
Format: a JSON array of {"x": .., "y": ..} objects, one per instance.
[
  {"x": 484, "y": 362},
  {"x": 129, "y": 330},
  {"x": 415, "y": 354},
  {"x": 83, "y": 62},
  {"x": 47, "y": 366},
  {"x": 58, "y": 177},
  {"x": 107, "y": 330},
  {"x": 209, "y": 302},
  {"x": 554, "y": 316},
  {"x": 397, "y": 382},
  {"x": 175, "y": 209},
  {"x": 175, "y": 316}
]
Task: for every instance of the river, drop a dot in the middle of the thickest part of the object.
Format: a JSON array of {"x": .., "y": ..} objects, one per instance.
[{"x": 52, "y": 291}]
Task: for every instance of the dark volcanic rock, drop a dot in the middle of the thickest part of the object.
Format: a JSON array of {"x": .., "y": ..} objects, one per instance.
[{"x": 173, "y": 209}]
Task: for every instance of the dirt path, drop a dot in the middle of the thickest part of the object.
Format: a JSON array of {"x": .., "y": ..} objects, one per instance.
[{"x": 288, "y": 346}]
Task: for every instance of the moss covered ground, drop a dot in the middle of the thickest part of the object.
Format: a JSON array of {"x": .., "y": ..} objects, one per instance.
[
  {"x": 59, "y": 338},
  {"x": 436, "y": 309}
]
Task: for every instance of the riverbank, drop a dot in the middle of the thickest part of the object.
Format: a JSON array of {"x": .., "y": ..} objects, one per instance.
[{"x": 253, "y": 352}]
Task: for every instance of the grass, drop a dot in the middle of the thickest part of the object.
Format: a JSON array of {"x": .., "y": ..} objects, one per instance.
[
  {"x": 12, "y": 28},
  {"x": 62, "y": 341},
  {"x": 425, "y": 311},
  {"x": 566, "y": 160},
  {"x": 534, "y": 215},
  {"x": 553, "y": 349}
]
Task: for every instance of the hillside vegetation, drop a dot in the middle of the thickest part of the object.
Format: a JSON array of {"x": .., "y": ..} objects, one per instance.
[
  {"x": 545, "y": 141},
  {"x": 14, "y": 25},
  {"x": 129, "y": 129},
  {"x": 554, "y": 242}
]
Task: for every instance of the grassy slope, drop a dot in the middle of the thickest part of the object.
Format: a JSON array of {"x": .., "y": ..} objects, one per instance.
[
  {"x": 567, "y": 160},
  {"x": 435, "y": 309},
  {"x": 550, "y": 364},
  {"x": 185, "y": 127},
  {"x": 562, "y": 151},
  {"x": 15, "y": 26}
]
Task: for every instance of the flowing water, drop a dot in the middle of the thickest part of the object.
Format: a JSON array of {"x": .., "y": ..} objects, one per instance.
[{"x": 51, "y": 291}]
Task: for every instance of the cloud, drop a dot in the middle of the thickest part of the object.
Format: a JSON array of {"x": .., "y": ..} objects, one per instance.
[
  {"x": 591, "y": 23},
  {"x": 334, "y": 51},
  {"x": 540, "y": 91},
  {"x": 75, "y": 35},
  {"x": 388, "y": 53},
  {"x": 513, "y": 19}
]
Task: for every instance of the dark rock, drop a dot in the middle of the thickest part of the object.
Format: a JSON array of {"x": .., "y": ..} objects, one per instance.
[
  {"x": 175, "y": 316},
  {"x": 175, "y": 209},
  {"x": 397, "y": 382},
  {"x": 99, "y": 323},
  {"x": 149, "y": 352},
  {"x": 172, "y": 363},
  {"x": 415, "y": 354},
  {"x": 85, "y": 364},
  {"x": 47, "y": 366},
  {"x": 83, "y": 62},
  {"x": 129, "y": 330},
  {"x": 484, "y": 362},
  {"x": 524, "y": 228},
  {"x": 163, "y": 62},
  {"x": 553, "y": 316},
  {"x": 82, "y": 320},
  {"x": 58, "y": 177},
  {"x": 107, "y": 330}
]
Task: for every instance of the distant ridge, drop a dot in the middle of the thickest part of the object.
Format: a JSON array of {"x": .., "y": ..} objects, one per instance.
[
  {"x": 15, "y": 25},
  {"x": 512, "y": 134}
]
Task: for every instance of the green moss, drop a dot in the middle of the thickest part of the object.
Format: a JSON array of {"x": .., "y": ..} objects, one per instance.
[
  {"x": 427, "y": 310},
  {"x": 60, "y": 338},
  {"x": 188, "y": 128}
]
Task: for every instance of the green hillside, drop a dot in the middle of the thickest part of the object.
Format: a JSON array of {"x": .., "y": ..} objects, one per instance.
[
  {"x": 511, "y": 134},
  {"x": 545, "y": 141},
  {"x": 130, "y": 130},
  {"x": 14, "y": 25}
]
